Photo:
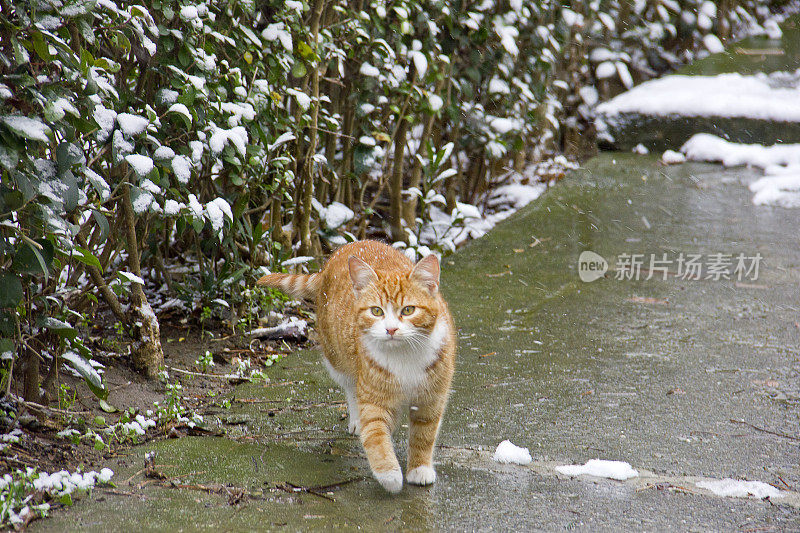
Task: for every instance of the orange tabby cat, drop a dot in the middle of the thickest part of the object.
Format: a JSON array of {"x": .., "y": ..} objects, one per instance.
[{"x": 388, "y": 340}]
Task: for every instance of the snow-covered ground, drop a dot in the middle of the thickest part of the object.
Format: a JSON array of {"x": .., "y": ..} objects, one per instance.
[
  {"x": 780, "y": 185},
  {"x": 773, "y": 97}
]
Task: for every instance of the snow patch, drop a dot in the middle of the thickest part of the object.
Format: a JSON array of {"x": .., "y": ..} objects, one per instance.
[
  {"x": 508, "y": 452},
  {"x": 141, "y": 164},
  {"x": 132, "y": 125},
  {"x": 707, "y": 147},
  {"x": 30, "y": 128},
  {"x": 297, "y": 261},
  {"x": 618, "y": 470},
  {"x": 671, "y": 157},
  {"x": 734, "y": 488},
  {"x": 725, "y": 95},
  {"x": 182, "y": 167}
]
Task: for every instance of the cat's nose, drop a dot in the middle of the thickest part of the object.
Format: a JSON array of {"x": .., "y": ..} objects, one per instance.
[{"x": 391, "y": 331}]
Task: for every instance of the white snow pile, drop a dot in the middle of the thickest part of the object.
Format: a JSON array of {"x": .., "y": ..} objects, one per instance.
[
  {"x": 140, "y": 163},
  {"x": 735, "y": 488},
  {"x": 16, "y": 491},
  {"x": 467, "y": 221},
  {"x": 671, "y": 157},
  {"x": 300, "y": 260},
  {"x": 760, "y": 96},
  {"x": 778, "y": 188},
  {"x": 780, "y": 185},
  {"x": 335, "y": 215},
  {"x": 508, "y": 452},
  {"x": 619, "y": 470},
  {"x": 707, "y": 147}
]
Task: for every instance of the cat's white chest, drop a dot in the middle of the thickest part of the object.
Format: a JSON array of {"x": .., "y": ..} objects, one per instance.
[{"x": 408, "y": 363}]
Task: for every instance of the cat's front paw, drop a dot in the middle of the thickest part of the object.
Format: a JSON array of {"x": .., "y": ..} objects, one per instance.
[
  {"x": 354, "y": 426},
  {"x": 422, "y": 475},
  {"x": 392, "y": 480}
]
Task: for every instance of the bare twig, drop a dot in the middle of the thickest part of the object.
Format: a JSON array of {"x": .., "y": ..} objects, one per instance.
[{"x": 776, "y": 433}]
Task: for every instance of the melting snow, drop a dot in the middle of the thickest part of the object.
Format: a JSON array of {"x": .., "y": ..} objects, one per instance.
[
  {"x": 181, "y": 109},
  {"x": 335, "y": 215},
  {"x": 735, "y": 488},
  {"x": 368, "y": 70},
  {"x": 507, "y": 452},
  {"x": 618, "y": 470}
]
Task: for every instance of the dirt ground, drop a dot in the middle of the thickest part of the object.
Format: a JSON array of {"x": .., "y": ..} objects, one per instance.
[{"x": 42, "y": 449}]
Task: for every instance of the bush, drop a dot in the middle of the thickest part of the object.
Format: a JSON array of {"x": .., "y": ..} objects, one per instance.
[{"x": 220, "y": 137}]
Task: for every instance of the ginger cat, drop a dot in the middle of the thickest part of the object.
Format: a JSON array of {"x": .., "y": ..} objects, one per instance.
[{"x": 388, "y": 340}]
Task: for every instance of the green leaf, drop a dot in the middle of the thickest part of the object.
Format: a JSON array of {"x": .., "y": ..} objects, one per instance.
[
  {"x": 88, "y": 373},
  {"x": 107, "y": 407},
  {"x": 87, "y": 59},
  {"x": 32, "y": 260},
  {"x": 66, "y": 499},
  {"x": 298, "y": 70},
  {"x": 86, "y": 257},
  {"x": 7, "y": 345},
  {"x": 7, "y": 324},
  {"x": 10, "y": 290},
  {"x": 40, "y": 46},
  {"x": 305, "y": 50},
  {"x": 102, "y": 222},
  {"x": 60, "y": 328},
  {"x": 12, "y": 200},
  {"x": 67, "y": 154}
]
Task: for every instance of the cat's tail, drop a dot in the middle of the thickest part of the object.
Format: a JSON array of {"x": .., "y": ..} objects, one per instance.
[{"x": 297, "y": 285}]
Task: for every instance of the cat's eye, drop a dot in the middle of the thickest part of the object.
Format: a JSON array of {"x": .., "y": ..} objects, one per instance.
[
  {"x": 376, "y": 311},
  {"x": 407, "y": 310}
]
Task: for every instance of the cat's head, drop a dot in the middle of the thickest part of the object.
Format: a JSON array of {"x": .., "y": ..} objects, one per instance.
[{"x": 396, "y": 308}]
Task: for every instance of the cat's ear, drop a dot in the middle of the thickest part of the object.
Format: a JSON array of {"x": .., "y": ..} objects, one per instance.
[
  {"x": 361, "y": 274},
  {"x": 426, "y": 272}
]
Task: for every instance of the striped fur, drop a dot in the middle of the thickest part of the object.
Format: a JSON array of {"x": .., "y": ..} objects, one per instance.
[
  {"x": 297, "y": 285},
  {"x": 389, "y": 341}
]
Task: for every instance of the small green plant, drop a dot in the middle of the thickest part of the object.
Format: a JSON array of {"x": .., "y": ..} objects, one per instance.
[
  {"x": 205, "y": 315},
  {"x": 66, "y": 399},
  {"x": 205, "y": 361}
]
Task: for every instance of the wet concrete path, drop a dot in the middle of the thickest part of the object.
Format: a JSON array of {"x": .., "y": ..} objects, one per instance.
[{"x": 681, "y": 378}]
